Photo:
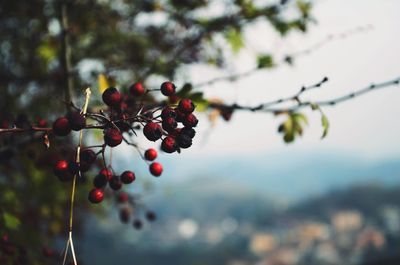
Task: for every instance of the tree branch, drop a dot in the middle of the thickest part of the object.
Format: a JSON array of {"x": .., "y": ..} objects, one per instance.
[
  {"x": 66, "y": 54},
  {"x": 266, "y": 107},
  {"x": 289, "y": 57}
]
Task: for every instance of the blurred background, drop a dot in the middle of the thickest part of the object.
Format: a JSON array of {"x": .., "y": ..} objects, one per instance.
[{"x": 240, "y": 195}]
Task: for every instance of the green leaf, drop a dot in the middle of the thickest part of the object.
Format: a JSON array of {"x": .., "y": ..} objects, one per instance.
[
  {"x": 265, "y": 61},
  {"x": 288, "y": 137},
  {"x": 10, "y": 221},
  {"x": 185, "y": 90},
  {"x": 196, "y": 96},
  {"x": 234, "y": 37},
  {"x": 325, "y": 125},
  {"x": 200, "y": 102},
  {"x": 304, "y": 7},
  {"x": 299, "y": 117},
  {"x": 314, "y": 106},
  {"x": 47, "y": 51}
]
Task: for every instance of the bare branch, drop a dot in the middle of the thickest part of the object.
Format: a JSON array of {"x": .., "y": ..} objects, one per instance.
[{"x": 266, "y": 107}]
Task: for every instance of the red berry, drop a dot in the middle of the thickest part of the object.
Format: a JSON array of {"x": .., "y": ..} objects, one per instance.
[
  {"x": 61, "y": 127},
  {"x": 180, "y": 116},
  {"x": 188, "y": 131},
  {"x": 137, "y": 89},
  {"x": 169, "y": 124},
  {"x": 48, "y": 252},
  {"x": 227, "y": 114},
  {"x": 73, "y": 167},
  {"x": 4, "y": 124},
  {"x": 112, "y": 137},
  {"x": 168, "y": 89},
  {"x": 106, "y": 173},
  {"x": 137, "y": 224},
  {"x": 115, "y": 183},
  {"x": 184, "y": 141},
  {"x": 83, "y": 166},
  {"x": 151, "y": 216},
  {"x": 41, "y": 123},
  {"x": 100, "y": 181},
  {"x": 61, "y": 170},
  {"x": 112, "y": 97},
  {"x": 173, "y": 99},
  {"x": 150, "y": 154},
  {"x": 123, "y": 197},
  {"x": 87, "y": 156},
  {"x": 186, "y": 106},
  {"x": 152, "y": 131},
  {"x": 156, "y": 169},
  {"x": 124, "y": 215},
  {"x": 190, "y": 120},
  {"x": 169, "y": 145},
  {"x": 127, "y": 177},
  {"x": 96, "y": 195},
  {"x": 168, "y": 112},
  {"x": 76, "y": 121}
]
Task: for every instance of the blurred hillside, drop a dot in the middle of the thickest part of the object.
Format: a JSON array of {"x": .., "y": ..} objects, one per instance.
[{"x": 214, "y": 221}]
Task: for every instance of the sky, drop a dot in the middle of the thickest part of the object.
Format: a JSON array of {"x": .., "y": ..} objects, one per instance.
[{"x": 367, "y": 126}]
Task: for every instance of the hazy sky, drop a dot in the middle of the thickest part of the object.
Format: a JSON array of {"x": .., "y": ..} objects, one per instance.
[{"x": 368, "y": 126}]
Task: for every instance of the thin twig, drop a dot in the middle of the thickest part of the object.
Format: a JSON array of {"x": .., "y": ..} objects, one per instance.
[
  {"x": 266, "y": 107},
  {"x": 288, "y": 58}
]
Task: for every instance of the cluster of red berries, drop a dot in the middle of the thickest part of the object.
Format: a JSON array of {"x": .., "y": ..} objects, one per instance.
[
  {"x": 10, "y": 250},
  {"x": 130, "y": 208},
  {"x": 126, "y": 114}
]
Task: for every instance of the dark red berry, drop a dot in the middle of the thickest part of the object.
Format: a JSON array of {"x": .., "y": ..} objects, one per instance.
[
  {"x": 227, "y": 114},
  {"x": 168, "y": 89},
  {"x": 156, "y": 169},
  {"x": 151, "y": 216},
  {"x": 150, "y": 154},
  {"x": 180, "y": 116},
  {"x": 41, "y": 123},
  {"x": 127, "y": 177},
  {"x": 83, "y": 166},
  {"x": 61, "y": 170},
  {"x": 173, "y": 99},
  {"x": 5, "y": 239},
  {"x": 106, "y": 173},
  {"x": 123, "y": 197},
  {"x": 73, "y": 167},
  {"x": 184, "y": 141},
  {"x": 190, "y": 120},
  {"x": 137, "y": 224},
  {"x": 188, "y": 131},
  {"x": 169, "y": 145},
  {"x": 96, "y": 195},
  {"x": 115, "y": 183},
  {"x": 152, "y": 131},
  {"x": 112, "y": 137},
  {"x": 76, "y": 121},
  {"x": 137, "y": 89},
  {"x": 123, "y": 126},
  {"x": 4, "y": 124},
  {"x": 168, "y": 112},
  {"x": 48, "y": 252},
  {"x": 169, "y": 124},
  {"x": 87, "y": 156},
  {"x": 61, "y": 127},
  {"x": 112, "y": 97},
  {"x": 100, "y": 181},
  {"x": 124, "y": 215},
  {"x": 186, "y": 106}
]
